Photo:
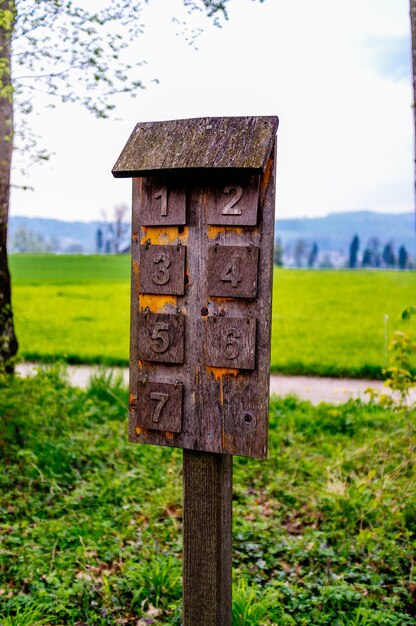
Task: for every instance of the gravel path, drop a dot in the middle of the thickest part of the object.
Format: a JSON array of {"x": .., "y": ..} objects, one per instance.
[{"x": 333, "y": 390}]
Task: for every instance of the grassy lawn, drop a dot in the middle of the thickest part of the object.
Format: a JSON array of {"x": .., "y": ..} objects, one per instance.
[
  {"x": 324, "y": 322},
  {"x": 324, "y": 530}
]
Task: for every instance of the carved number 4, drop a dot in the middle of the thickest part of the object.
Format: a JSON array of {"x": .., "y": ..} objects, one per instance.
[
  {"x": 163, "y": 195},
  {"x": 229, "y": 207},
  {"x": 161, "y": 398},
  {"x": 232, "y": 271}
]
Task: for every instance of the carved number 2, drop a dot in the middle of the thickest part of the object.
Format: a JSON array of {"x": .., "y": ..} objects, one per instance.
[
  {"x": 161, "y": 398},
  {"x": 229, "y": 207},
  {"x": 163, "y": 195}
]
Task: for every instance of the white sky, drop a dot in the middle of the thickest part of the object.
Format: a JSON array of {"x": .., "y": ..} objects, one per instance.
[{"x": 336, "y": 73}]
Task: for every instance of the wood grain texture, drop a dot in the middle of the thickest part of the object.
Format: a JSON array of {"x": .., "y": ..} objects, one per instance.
[
  {"x": 225, "y": 409},
  {"x": 162, "y": 269},
  {"x": 234, "y": 202},
  {"x": 159, "y": 406},
  {"x": 207, "y": 539},
  {"x": 195, "y": 145},
  {"x": 232, "y": 271},
  {"x": 231, "y": 342},
  {"x": 163, "y": 202}
]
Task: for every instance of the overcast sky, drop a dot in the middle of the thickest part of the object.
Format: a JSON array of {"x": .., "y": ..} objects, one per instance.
[{"x": 337, "y": 74}]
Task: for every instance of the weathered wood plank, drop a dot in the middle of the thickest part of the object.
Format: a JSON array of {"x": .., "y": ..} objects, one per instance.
[
  {"x": 207, "y": 539},
  {"x": 225, "y": 403},
  {"x": 195, "y": 145}
]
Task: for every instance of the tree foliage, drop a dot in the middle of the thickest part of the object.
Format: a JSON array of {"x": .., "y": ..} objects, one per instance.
[{"x": 68, "y": 51}]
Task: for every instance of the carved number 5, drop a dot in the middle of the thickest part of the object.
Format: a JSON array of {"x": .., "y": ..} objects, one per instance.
[
  {"x": 161, "y": 398},
  {"x": 160, "y": 337},
  {"x": 232, "y": 347},
  {"x": 162, "y": 275},
  {"x": 163, "y": 195},
  {"x": 229, "y": 207}
]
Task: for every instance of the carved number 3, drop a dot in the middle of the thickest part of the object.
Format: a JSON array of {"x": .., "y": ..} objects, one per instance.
[
  {"x": 229, "y": 207},
  {"x": 163, "y": 195},
  {"x": 161, "y": 398},
  {"x": 160, "y": 337},
  {"x": 232, "y": 347},
  {"x": 162, "y": 274}
]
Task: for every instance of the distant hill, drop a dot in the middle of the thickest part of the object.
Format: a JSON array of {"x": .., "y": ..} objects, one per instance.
[{"x": 333, "y": 233}]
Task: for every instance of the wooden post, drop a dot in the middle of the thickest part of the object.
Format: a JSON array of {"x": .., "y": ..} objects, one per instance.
[
  {"x": 202, "y": 269},
  {"x": 207, "y": 556}
]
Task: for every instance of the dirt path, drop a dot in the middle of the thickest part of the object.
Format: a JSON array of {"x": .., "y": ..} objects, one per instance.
[{"x": 333, "y": 390}]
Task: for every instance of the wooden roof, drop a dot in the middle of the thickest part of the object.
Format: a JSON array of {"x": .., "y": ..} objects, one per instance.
[{"x": 199, "y": 144}]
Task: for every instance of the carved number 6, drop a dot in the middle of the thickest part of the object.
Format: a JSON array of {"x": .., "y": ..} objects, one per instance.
[
  {"x": 228, "y": 209},
  {"x": 162, "y": 274},
  {"x": 160, "y": 337},
  {"x": 232, "y": 347}
]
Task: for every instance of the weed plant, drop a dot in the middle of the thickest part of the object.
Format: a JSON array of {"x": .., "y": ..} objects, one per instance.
[{"x": 90, "y": 525}]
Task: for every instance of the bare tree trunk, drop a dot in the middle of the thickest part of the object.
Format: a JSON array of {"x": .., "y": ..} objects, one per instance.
[
  {"x": 413, "y": 32},
  {"x": 8, "y": 341}
]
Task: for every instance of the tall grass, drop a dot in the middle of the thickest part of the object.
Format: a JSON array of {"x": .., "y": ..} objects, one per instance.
[{"x": 91, "y": 526}]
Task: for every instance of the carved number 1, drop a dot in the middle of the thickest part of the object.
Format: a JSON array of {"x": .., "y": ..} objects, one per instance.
[
  {"x": 163, "y": 195},
  {"x": 229, "y": 207},
  {"x": 161, "y": 398}
]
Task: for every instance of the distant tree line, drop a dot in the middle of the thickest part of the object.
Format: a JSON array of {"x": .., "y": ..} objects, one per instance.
[
  {"x": 302, "y": 253},
  {"x": 377, "y": 255}
]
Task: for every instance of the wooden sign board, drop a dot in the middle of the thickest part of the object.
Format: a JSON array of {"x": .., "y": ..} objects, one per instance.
[{"x": 202, "y": 261}]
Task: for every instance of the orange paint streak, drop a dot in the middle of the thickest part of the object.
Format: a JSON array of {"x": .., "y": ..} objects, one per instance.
[
  {"x": 264, "y": 181},
  {"x": 163, "y": 235},
  {"x": 219, "y": 372},
  {"x": 156, "y": 303},
  {"x": 214, "y": 231}
]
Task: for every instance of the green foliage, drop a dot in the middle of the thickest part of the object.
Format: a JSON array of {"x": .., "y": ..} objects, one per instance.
[
  {"x": 324, "y": 530},
  {"x": 400, "y": 374},
  {"x": 77, "y": 308}
]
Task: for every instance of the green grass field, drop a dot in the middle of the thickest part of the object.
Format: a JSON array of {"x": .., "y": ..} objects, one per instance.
[
  {"x": 324, "y": 531},
  {"x": 324, "y": 322}
]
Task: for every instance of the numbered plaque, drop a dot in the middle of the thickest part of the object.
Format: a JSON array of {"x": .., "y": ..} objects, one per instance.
[
  {"x": 231, "y": 342},
  {"x": 162, "y": 269},
  {"x": 162, "y": 203},
  {"x": 161, "y": 337},
  {"x": 234, "y": 202},
  {"x": 232, "y": 271},
  {"x": 159, "y": 406}
]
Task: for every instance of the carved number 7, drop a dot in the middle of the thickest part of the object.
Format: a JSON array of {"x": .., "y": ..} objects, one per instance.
[{"x": 161, "y": 398}]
